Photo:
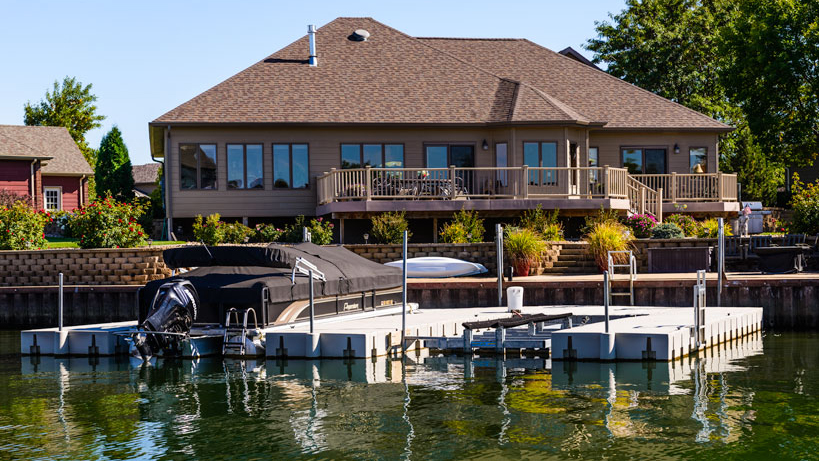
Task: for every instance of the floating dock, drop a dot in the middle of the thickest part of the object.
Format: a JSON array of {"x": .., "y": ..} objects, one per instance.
[{"x": 568, "y": 333}]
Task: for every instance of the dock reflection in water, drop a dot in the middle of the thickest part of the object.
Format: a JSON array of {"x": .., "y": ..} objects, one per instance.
[{"x": 733, "y": 402}]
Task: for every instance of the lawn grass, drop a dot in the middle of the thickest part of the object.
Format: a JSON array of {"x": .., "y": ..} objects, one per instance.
[{"x": 65, "y": 242}]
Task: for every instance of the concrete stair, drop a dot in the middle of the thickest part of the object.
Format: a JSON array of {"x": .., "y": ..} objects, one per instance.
[{"x": 574, "y": 258}]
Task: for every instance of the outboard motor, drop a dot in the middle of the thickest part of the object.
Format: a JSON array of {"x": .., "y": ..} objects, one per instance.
[{"x": 169, "y": 320}]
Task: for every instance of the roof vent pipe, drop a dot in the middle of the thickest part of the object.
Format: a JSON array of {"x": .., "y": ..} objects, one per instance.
[{"x": 311, "y": 33}]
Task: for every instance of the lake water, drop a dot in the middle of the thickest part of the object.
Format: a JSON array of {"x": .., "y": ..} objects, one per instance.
[{"x": 756, "y": 399}]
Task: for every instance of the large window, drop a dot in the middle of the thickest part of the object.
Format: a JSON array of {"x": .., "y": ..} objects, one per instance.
[
  {"x": 53, "y": 198},
  {"x": 245, "y": 167},
  {"x": 291, "y": 166},
  {"x": 639, "y": 160},
  {"x": 541, "y": 154},
  {"x": 374, "y": 155},
  {"x": 197, "y": 166},
  {"x": 698, "y": 156}
]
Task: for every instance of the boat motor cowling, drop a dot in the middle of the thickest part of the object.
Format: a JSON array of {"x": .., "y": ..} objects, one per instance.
[{"x": 173, "y": 311}]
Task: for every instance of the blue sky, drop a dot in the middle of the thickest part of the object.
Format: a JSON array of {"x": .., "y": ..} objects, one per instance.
[{"x": 146, "y": 57}]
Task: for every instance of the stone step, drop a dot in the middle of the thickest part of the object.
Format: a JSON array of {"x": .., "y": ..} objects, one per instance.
[
  {"x": 573, "y": 245},
  {"x": 574, "y": 251},
  {"x": 589, "y": 263}
]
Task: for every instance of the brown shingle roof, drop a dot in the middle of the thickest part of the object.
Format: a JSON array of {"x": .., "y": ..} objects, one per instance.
[
  {"x": 395, "y": 78},
  {"x": 53, "y": 144},
  {"x": 145, "y": 174}
]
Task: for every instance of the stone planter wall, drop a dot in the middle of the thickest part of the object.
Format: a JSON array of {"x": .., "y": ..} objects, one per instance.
[
  {"x": 105, "y": 266},
  {"x": 483, "y": 253}
]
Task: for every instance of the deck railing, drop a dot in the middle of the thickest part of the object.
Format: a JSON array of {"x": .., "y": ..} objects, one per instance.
[
  {"x": 644, "y": 192},
  {"x": 471, "y": 183},
  {"x": 683, "y": 187}
]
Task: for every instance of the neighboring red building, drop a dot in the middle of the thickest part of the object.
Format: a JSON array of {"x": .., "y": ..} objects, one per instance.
[{"x": 44, "y": 163}]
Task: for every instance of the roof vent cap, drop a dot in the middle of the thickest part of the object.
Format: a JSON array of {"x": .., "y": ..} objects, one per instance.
[{"x": 360, "y": 35}]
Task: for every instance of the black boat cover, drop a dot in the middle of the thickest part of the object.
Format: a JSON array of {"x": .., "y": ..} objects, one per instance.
[{"x": 233, "y": 275}]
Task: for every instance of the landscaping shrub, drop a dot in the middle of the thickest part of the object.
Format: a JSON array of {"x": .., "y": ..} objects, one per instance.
[
  {"x": 603, "y": 216},
  {"x": 107, "y": 223},
  {"x": 268, "y": 233},
  {"x": 545, "y": 224},
  {"x": 686, "y": 223},
  {"x": 667, "y": 230},
  {"x": 236, "y": 233},
  {"x": 389, "y": 227},
  {"x": 9, "y": 198},
  {"x": 608, "y": 236},
  {"x": 523, "y": 246},
  {"x": 805, "y": 203},
  {"x": 710, "y": 229},
  {"x": 641, "y": 225},
  {"x": 321, "y": 231},
  {"x": 211, "y": 231},
  {"x": 466, "y": 227},
  {"x": 21, "y": 227},
  {"x": 453, "y": 233}
]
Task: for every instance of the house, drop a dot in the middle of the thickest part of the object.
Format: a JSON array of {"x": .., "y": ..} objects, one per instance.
[
  {"x": 358, "y": 118},
  {"x": 145, "y": 178},
  {"x": 45, "y": 164}
]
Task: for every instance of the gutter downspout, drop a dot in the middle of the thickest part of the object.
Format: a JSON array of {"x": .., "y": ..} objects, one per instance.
[
  {"x": 33, "y": 197},
  {"x": 81, "y": 195}
]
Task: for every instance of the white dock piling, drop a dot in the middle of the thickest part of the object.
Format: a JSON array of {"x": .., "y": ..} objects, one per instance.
[{"x": 404, "y": 297}]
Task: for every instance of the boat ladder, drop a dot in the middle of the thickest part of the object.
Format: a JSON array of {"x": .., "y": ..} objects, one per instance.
[
  {"x": 631, "y": 265},
  {"x": 233, "y": 342}
]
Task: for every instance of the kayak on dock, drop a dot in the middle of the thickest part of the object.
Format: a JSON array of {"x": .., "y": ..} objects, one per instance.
[{"x": 439, "y": 267}]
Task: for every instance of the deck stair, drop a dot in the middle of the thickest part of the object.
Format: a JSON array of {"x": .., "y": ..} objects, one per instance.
[{"x": 574, "y": 258}]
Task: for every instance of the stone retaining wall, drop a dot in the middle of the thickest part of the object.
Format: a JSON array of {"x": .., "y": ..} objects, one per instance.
[{"x": 103, "y": 266}]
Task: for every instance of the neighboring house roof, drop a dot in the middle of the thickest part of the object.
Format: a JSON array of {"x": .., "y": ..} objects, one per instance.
[
  {"x": 145, "y": 174},
  {"x": 394, "y": 78},
  {"x": 53, "y": 144},
  {"x": 574, "y": 54}
]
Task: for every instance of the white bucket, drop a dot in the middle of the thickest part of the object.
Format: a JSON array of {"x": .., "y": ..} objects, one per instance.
[{"x": 514, "y": 298}]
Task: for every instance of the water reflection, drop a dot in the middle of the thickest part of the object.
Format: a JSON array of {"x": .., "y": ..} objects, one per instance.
[{"x": 734, "y": 401}]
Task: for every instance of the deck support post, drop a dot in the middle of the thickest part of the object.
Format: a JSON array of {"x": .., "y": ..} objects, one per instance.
[
  {"x": 500, "y": 338},
  {"x": 673, "y": 187},
  {"x": 453, "y": 191},
  {"x": 341, "y": 231},
  {"x": 606, "y": 182},
  {"x": 719, "y": 187},
  {"x": 659, "y": 215},
  {"x": 467, "y": 340},
  {"x": 434, "y": 230},
  {"x": 368, "y": 182},
  {"x": 525, "y": 180}
]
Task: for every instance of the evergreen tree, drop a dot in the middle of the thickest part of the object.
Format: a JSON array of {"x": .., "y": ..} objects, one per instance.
[{"x": 113, "y": 170}]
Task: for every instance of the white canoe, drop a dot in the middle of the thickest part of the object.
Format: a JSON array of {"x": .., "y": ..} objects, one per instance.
[{"x": 435, "y": 266}]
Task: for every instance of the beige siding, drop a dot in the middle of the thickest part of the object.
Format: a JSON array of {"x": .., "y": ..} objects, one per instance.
[
  {"x": 325, "y": 154},
  {"x": 611, "y": 142}
]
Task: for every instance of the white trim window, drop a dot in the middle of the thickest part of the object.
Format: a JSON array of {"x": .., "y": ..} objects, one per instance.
[{"x": 53, "y": 197}]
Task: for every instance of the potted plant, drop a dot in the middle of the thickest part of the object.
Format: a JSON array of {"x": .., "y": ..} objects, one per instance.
[{"x": 524, "y": 247}]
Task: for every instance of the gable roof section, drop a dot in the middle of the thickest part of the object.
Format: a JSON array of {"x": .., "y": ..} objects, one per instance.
[
  {"x": 52, "y": 144},
  {"x": 145, "y": 174},
  {"x": 393, "y": 78}
]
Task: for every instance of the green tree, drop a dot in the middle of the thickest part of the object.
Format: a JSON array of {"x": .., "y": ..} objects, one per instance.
[
  {"x": 113, "y": 171},
  {"x": 70, "y": 105},
  {"x": 772, "y": 71},
  {"x": 672, "y": 48}
]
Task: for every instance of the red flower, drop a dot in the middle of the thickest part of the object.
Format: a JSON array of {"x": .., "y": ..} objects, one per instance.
[
  {"x": 139, "y": 233},
  {"x": 131, "y": 229}
]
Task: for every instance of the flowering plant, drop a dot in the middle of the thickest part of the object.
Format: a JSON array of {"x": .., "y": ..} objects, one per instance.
[
  {"x": 21, "y": 228},
  {"x": 641, "y": 225},
  {"x": 686, "y": 223},
  {"x": 805, "y": 203},
  {"x": 209, "y": 231},
  {"x": 108, "y": 223},
  {"x": 268, "y": 233}
]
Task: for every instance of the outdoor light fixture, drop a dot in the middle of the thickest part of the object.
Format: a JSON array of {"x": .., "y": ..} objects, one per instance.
[
  {"x": 676, "y": 148},
  {"x": 366, "y": 238},
  {"x": 485, "y": 145}
]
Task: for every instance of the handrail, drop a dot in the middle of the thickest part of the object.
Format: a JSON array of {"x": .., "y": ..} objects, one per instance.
[{"x": 693, "y": 187}]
